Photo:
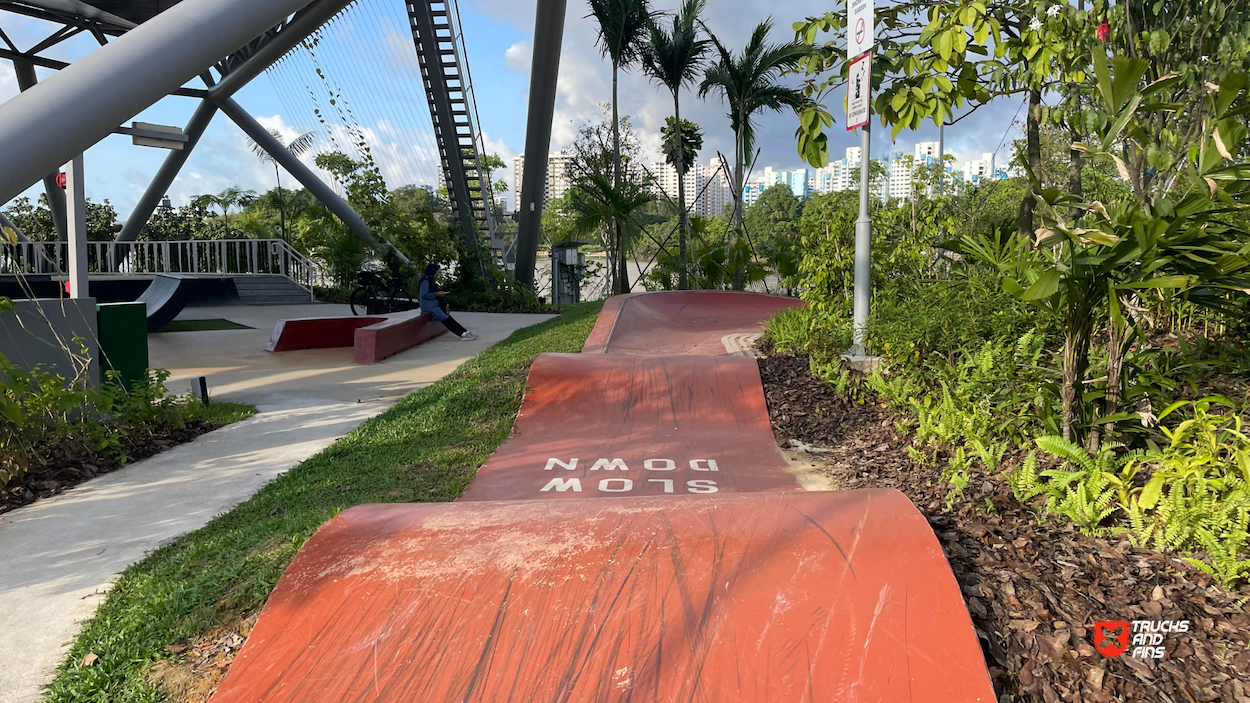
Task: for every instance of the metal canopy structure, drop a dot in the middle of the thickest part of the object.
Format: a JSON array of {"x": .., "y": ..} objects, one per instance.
[{"x": 152, "y": 48}]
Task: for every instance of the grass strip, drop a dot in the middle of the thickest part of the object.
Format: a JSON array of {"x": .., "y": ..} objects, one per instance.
[{"x": 424, "y": 449}]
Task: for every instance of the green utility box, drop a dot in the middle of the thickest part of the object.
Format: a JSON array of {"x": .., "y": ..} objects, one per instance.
[{"x": 124, "y": 340}]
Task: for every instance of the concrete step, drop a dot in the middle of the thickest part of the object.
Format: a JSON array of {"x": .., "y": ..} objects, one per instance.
[{"x": 270, "y": 290}]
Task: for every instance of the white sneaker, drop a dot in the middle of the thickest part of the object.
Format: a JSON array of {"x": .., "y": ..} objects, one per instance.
[{"x": 468, "y": 336}]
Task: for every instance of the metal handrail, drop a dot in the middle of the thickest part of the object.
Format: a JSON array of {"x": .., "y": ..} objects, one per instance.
[{"x": 209, "y": 257}]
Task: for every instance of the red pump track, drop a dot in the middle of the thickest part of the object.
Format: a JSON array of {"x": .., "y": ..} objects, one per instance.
[{"x": 637, "y": 538}]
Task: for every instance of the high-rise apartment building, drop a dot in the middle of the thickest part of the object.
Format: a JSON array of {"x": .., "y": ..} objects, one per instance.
[
  {"x": 979, "y": 170},
  {"x": 707, "y": 189},
  {"x": 558, "y": 181}
]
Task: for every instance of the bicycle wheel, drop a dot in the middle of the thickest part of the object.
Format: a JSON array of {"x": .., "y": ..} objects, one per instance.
[{"x": 359, "y": 301}]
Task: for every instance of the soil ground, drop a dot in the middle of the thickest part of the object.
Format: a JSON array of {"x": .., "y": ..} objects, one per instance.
[{"x": 1033, "y": 587}]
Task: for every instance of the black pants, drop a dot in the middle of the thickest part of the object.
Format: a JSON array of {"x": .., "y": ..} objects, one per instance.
[{"x": 451, "y": 324}]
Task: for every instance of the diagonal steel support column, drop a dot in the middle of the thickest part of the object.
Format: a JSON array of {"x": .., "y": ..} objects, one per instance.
[
  {"x": 305, "y": 23},
  {"x": 169, "y": 171},
  {"x": 548, "y": 36},
  {"x": 26, "y": 79},
  {"x": 66, "y": 114},
  {"x": 302, "y": 173}
]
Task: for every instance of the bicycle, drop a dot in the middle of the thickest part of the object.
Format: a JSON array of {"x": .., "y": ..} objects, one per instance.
[{"x": 377, "y": 294}]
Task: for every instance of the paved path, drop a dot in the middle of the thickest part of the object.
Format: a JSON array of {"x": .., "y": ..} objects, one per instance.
[{"x": 58, "y": 556}]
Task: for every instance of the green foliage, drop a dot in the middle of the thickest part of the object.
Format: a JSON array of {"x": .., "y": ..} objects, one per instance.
[
  {"x": 681, "y": 147},
  {"x": 1086, "y": 494},
  {"x": 809, "y": 331},
  {"x": 45, "y": 416},
  {"x": 923, "y": 318},
  {"x": 35, "y": 220},
  {"x": 404, "y": 219}
]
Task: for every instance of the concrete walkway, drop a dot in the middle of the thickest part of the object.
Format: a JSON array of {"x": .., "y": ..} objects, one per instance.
[{"x": 58, "y": 556}]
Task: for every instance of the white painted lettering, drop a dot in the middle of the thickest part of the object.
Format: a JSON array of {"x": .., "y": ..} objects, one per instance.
[
  {"x": 660, "y": 465},
  {"x": 561, "y": 485},
  {"x": 668, "y": 483},
  {"x": 610, "y": 465},
  {"x": 606, "y": 485},
  {"x": 698, "y": 465},
  {"x": 701, "y": 486},
  {"x": 553, "y": 462}
]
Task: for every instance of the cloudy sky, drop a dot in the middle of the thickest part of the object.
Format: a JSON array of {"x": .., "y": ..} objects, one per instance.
[{"x": 369, "y": 58}]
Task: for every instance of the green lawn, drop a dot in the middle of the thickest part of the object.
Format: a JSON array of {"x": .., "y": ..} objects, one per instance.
[{"x": 425, "y": 449}]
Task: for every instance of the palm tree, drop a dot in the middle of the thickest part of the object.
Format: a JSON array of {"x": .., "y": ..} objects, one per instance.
[
  {"x": 747, "y": 83},
  {"x": 623, "y": 26},
  {"x": 596, "y": 204},
  {"x": 298, "y": 147},
  {"x": 229, "y": 198},
  {"x": 673, "y": 58}
]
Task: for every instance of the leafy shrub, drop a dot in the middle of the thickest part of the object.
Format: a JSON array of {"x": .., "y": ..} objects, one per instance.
[
  {"x": 45, "y": 417},
  {"x": 922, "y": 318}
]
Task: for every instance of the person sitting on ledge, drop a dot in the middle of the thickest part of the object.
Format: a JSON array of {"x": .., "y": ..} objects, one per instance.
[{"x": 434, "y": 301}]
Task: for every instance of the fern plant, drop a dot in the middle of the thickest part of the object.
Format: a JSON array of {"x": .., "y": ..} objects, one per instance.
[
  {"x": 1024, "y": 482},
  {"x": 956, "y": 474},
  {"x": 1225, "y": 551},
  {"x": 1087, "y": 495}
]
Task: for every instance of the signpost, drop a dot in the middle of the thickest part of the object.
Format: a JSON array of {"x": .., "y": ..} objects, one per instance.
[{"x": 861, "y": 35}]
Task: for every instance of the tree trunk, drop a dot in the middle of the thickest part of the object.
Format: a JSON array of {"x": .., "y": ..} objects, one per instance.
[
  {"x": 1117, "y": 343},
  {"x": 683, "y": 223},
  {"x": 1075, "y": 363},
  {"x": 736, "y": 225},
  {"x": 281, "y": 203},
  {"x": 1076, "y": 164},
  {"x": 622, "y": 260},
  {"x": 1033, "y": 121}
]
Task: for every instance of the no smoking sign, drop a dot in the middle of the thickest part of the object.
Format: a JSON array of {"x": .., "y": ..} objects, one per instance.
[{"x": 860, "y": 20}]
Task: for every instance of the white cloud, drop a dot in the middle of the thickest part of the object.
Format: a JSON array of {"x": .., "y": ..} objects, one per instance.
[
  {"x": 8, "y": 82},
  {"x": 519, "y": 57}
]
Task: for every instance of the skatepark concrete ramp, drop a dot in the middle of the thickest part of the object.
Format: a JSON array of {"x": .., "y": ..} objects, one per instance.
[
  {"x": 165, "y": 297},
  {"x": 637, "y": 538}
]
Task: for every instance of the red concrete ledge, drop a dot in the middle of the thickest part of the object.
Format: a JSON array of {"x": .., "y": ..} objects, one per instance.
[
  {"x": 374, "y": 337},
  {"x": 317, "y": 332},
  {"x": 395, "y": 334}
]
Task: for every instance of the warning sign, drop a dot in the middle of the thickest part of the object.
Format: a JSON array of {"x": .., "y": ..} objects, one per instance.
[{"x": 858, "y": 92}]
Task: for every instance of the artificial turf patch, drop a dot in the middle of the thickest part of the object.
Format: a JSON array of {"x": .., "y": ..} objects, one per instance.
[{"x": 209, "y": 325}]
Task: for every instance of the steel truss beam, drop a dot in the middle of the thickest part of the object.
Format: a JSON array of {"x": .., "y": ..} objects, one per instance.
[{"x": 448, "y": 90}]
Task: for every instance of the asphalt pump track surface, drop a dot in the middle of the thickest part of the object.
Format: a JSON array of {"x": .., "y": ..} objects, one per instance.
[{"x": 637, "y": 538}]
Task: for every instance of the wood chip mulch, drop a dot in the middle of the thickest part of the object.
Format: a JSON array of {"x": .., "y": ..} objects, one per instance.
[
  {"x": 1033, "y": 588},
  {"x": 66, "y": 470}
]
